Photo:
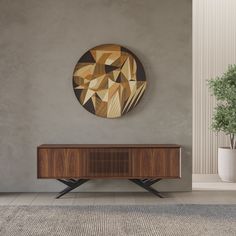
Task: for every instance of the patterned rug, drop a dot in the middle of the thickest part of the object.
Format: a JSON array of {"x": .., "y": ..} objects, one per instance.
[{"x": 118, "y": 220}]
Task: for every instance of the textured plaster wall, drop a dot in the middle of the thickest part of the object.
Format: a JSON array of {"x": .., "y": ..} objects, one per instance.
[{"x": 41, "y": 41}]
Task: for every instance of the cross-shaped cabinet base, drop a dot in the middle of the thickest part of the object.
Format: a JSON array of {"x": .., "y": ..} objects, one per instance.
[{"x": 74, "y": 183}]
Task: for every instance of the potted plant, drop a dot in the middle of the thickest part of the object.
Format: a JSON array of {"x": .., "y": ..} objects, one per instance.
[{"x": 224, "y": 119}]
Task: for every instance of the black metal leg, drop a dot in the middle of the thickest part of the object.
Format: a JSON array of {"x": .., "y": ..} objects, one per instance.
[
  {"x": 146, "y": 184},
  {"x": 72, "y": 184}
]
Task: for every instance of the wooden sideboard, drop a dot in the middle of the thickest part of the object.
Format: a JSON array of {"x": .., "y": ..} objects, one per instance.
[{"x": 74, "y": 164}]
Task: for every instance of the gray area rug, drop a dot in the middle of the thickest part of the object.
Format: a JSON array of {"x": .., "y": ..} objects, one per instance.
[{"x": 118, "y": 220}]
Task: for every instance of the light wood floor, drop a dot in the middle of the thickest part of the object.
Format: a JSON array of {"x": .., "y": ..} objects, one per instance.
[
  {"x": 140, "y": 198},
  {"x": 211, "y": 182}
]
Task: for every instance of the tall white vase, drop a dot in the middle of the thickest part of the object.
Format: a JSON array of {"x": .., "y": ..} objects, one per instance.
[{"x": 227, "y": 164}]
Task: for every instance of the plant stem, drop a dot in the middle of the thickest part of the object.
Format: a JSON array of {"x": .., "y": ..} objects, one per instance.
[
  {"x": 231, "y": 136},
  {"x": 234, "y": 142}
]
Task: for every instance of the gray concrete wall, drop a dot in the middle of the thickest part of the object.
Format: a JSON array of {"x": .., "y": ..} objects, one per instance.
[{"x": 40, "y": 43}]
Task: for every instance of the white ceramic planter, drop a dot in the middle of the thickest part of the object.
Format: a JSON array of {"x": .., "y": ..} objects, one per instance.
[{"x": 227, "y": 164}]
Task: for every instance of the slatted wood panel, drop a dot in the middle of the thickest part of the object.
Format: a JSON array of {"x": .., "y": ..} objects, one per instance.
[
  {"x": 108, "y": 163},
  {"x": 214, "y": 48}
]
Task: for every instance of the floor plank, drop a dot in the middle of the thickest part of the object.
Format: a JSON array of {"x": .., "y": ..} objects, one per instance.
[
  {"x": 211, "y": 182},
  {"x": 44, "y": 199},
  {"x": 127, "y": 198},
  {"x": 7, "y": 198},
  {"x": 24, "y": 199}
]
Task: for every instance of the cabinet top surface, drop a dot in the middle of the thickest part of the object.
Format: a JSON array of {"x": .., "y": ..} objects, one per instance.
[{"x": 109, "y": 146}]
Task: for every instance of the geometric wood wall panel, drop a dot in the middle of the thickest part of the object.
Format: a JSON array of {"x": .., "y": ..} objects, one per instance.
[{"x": 109, "y": 80}]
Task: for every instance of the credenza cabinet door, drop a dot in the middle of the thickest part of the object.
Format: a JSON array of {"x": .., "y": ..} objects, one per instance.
[
  {"x": 108, "y": 163},
  {"x": 60, "y": 163},
  {"x": 156, "y": 162}
]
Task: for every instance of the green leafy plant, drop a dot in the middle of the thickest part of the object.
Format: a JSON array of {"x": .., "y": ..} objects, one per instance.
[{"x": 224, "y": 116}]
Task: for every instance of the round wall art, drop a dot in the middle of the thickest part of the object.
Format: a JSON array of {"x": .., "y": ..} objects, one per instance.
[{"x": 109, "y": 80}]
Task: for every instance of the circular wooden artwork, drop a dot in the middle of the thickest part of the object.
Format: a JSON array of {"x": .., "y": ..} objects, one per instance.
[{"x": 109, "y": 80}]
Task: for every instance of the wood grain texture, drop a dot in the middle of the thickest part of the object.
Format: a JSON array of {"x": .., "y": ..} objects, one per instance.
[
  {"x": 103, "y": 78},
  {"x": 144, "y": 161},
  {"x": 156, "y": 162},
  {"x": 60, "y": 163},
  {"x": 111, "y": 162},
  {"x": 109, "y": 146}
]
